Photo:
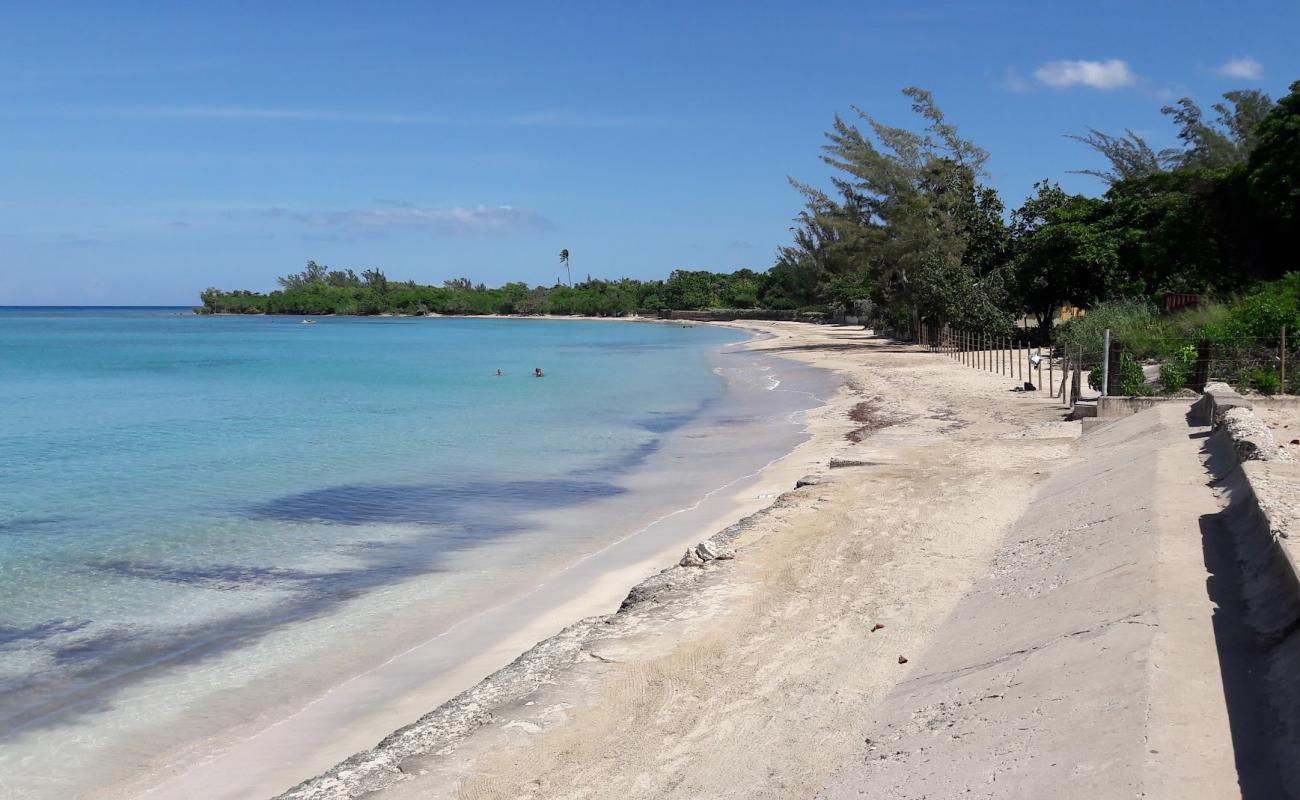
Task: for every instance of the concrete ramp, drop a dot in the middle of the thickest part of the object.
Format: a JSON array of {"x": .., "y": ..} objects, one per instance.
[{"x": 1089, "y": 662}]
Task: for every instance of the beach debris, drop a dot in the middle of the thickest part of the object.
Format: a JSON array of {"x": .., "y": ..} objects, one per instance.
[
  {"x": 902, "y": 659},
  {"x": 811, "y": 480},
  {"x": 1295, "y": 441},
  {"x": 691, "y": 559},
  {"x": 876, "y": 627},
  {"x": 840, "y": 463},
  {"x": 706, "y": 550},
  {"x": 709, "y": 550},
  {"x": 871, "y": 416}
]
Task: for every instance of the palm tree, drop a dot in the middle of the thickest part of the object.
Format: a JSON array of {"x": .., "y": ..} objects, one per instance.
[{"x": 564, "y": 259}]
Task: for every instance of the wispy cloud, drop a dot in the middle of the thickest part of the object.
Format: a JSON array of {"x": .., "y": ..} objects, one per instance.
[
  {"x": 1111, "y": 74},
  {"x": 76, "y": 240},
  {"x": 1244, "y": 67},
  {"x": 491, "y": 220},
  {"x": 570, "y": 119},
  {"x": 256, "y": 114},
  {"x": 551, "y": 118},
  {"x": 1014, "y": 81}
]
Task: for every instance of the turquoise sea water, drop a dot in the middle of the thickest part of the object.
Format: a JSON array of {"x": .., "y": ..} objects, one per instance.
[{"x": 174, "y": 486}]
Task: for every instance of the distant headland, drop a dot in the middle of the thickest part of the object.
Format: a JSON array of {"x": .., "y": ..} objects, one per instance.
[{"x": 318, "y": 289}]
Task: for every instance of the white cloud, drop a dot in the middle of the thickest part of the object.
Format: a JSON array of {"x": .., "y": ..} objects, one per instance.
[
  {"x": 1112, "y": 74},
  {"x": 1244, "y": 67},
  {"x": 450, "y": 220}
]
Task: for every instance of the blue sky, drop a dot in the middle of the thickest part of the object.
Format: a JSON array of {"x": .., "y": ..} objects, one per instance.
[{"x": 150, "y": 150}]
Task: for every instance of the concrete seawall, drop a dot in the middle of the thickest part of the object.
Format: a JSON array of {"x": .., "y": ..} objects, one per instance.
[
  {"x": 1091, "y": 661},
  {"x": 1262, "y": 481}
]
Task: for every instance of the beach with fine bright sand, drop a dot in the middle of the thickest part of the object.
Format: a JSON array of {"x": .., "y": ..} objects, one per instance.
[{"x": 964, "y": 597}]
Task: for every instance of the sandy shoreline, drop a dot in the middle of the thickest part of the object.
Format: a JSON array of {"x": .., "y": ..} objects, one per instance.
[
  {"x": 836, "y": 428},
  {"x": 943, "y": 592},
  {"x": 572, "y": 691},
  {"x": 265, "y": 767}
]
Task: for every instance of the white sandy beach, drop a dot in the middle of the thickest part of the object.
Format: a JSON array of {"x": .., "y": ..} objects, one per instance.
[
  {"x": 916, "y": 620},
  {"x": 350, "y": 700},
  {"x": 865, "y": 638}
]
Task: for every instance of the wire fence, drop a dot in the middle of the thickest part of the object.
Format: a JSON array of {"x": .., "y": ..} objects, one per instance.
[
  {"x": 1070, "y": 371},
  {"x": 1061, "y": 373},
  {"x": 1264, "y": 364}
]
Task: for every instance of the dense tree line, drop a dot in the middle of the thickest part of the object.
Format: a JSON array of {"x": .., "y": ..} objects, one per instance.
[
  {"x": 321, "y": 290},
  {"x": 908, "y": 225}
]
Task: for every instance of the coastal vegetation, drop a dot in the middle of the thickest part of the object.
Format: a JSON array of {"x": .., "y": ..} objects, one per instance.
[
  {"x": 908, "y": 231},
  {"x": 911, "y": 225},
  {"x": 321, "y": 290}
]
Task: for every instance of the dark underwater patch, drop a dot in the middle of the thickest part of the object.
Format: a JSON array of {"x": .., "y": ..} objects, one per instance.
[
  {"x": 10, "y": 634},
  {"x": 467, "y": 504},
  {"x": 218, "y": 576},
  {"x": 22, "y": 526}
]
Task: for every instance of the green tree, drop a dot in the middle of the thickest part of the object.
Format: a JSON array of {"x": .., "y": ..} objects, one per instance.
[
  {"x": 1227, "y": 141},
  {"x": 564, "y": 259},
  {"x": 1065, "y": 252},
  {"x": 908, "y": 216},
  {"x": 1129, "y": 156},
  {"x": 1274, "y": 166}
]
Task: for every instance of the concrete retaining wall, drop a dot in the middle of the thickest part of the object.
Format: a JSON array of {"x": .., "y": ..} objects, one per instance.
[
  {"x": 1263, "y": 482},
  {"x": 1115, "y": 407},
  {"x": 1217, "y": 400}
]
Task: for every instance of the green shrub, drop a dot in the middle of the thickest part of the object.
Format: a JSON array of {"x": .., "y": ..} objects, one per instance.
[
  {"x": 1132, "y": 383},
  {"x": 1176, "y": 373},
  {"x": 1127, "y": 319},
  {"x": 1266, "y": 381},
  {"x": 1242, "y": 382}
]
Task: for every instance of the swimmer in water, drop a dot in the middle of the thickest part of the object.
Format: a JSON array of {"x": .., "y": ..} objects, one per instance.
[
  {"x": 537, "y": 373},
  {"x": 498, "y": 373}
]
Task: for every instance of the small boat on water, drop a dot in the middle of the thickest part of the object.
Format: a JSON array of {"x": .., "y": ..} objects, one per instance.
[{"x": 308, "y": 322}]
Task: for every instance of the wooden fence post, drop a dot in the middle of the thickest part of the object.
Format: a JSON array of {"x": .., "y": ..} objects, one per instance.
[
  {"x": 1202, "y": 375},
  {"x": 1077, "y": 383},
  {"x": 1112, "y": 384}
]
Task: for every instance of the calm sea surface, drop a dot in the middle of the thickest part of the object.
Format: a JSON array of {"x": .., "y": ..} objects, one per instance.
[{"x": 174, "y": 485}]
